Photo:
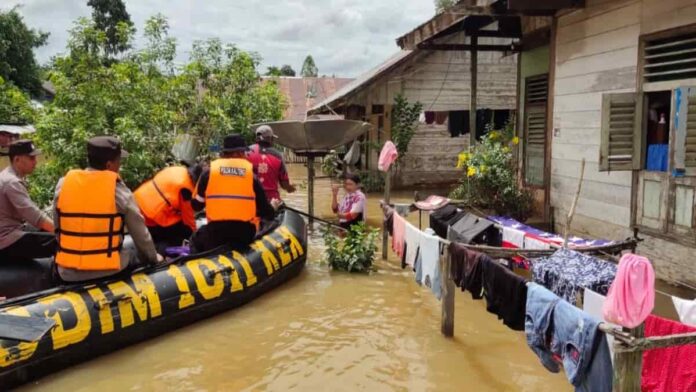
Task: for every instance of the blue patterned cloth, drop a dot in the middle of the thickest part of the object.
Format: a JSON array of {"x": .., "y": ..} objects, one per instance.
[{"x": 567, "y": 272}]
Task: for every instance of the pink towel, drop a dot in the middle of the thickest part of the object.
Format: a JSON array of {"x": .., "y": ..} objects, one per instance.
[
  {"x": 631, "y": 296},
  {"x": 387, "y": 156},
  {"x": 398, "y": 233}
]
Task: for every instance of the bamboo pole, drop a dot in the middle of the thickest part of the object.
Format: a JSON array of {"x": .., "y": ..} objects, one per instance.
[
  {"x": 385, "y": 229},
  {"x": 628, "y": 365},
  {"x": 571, "y": 212}
]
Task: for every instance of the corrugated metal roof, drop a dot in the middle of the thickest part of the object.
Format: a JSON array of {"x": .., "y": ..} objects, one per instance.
[
  {"x": 17, "y": 129},
  {"x": 303, "y": 93},
  {"x": 364, "y": 79}
]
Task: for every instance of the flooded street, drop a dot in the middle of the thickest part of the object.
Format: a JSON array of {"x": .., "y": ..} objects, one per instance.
[{"x": 327, "y": 331}]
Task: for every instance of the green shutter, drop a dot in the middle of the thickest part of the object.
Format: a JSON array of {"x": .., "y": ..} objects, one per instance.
[
  {"x": 685, "y": 129},
  {"x": 621, "y": 133}
]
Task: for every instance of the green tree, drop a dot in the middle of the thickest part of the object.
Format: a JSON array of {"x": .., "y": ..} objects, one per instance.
[
  {"x": 112, "y": 18},
  {"x": 273, "y": 71},
  {"x": 442, "y": 5},
  {"x": 309, "y": 68},
  {"x": 145, "y": 101},
  {"x": 286, "y": 70},
  {"x": 15, "y": 106},
  {"x": 17, "y": 43},
  {"x": 404, "y": 123}
]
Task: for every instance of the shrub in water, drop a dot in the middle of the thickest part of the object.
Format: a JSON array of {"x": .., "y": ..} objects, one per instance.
[{"x": 353, "y": 253}]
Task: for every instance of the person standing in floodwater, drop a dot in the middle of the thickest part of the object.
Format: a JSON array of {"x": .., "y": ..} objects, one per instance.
[{"x": 351, "y": 209}]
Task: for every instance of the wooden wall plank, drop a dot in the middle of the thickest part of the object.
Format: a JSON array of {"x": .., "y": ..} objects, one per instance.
[
  {"x": 615, "y": 79},
  {"x": 595, "y": 209},
  {"x": 667, "y": 20},
  {"x": 571, "y": 169},
  {"x": 584, "y": 136},
  {"x": 616, "y": 195},
  {"x": 622, "y": 38},
  {"x": 575, "y": 152},
  {"x": 613, "y": 19},
  {"x": 592, "y": 9},
  {"x": 579, "y": 119},
  {"x": 598, "y": 63}
]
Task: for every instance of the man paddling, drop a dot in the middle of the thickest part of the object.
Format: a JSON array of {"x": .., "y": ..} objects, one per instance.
[{"x": 17, "y": 209}]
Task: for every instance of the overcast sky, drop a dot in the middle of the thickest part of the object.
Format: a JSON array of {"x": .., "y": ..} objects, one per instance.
[{"x": 345, "y": 37}]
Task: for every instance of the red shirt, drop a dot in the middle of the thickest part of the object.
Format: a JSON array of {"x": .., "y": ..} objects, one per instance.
[{"x": 269, "y": 169}]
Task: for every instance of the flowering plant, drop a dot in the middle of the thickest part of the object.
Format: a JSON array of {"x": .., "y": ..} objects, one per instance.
[{"x": 489, "y": 180}]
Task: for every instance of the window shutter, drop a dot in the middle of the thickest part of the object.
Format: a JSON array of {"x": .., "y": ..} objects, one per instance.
[
  {"x": 685, "y": 129},
  {"x": 621, "y": 133},
  {"x": 536, "y": 97},
  {"x": 672, "y": 58}
]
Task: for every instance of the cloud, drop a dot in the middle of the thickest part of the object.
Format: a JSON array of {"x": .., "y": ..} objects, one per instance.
[{"x": 345, "y": 37}]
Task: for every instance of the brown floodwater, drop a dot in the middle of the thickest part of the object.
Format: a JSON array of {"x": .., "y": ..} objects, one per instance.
[{"x": 327, "y": 331}]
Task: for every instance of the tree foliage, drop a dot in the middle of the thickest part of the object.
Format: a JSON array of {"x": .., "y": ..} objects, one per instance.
[
  {"x": 309, "y": 68},
  {"x": 404, "y": 123},
  {"x": 112, "y": 18},
  {"x": 15, "y": 106},
  {"x": 353, "y": 253},
  {"x": 17, "y": 43},
  {"x": 442, "y": 5},
  {"x": 146, "y": 101},
  {"x": 285, "y": 70}
]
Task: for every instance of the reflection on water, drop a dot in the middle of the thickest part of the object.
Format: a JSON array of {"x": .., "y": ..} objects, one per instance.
[{"x": 327, "y": 330}]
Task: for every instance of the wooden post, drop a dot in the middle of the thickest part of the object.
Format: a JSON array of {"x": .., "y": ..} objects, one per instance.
[
  {"x": 310, "y": 188},
  {"x": 385, "y": 229},
  {"x": 472, "y": 98},
  {"x": 628, "y": 365},
  {"x": 448, "y": 290}
]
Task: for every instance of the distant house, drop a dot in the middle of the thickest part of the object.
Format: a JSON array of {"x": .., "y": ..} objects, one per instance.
[
  {"x": 303, "y": 93},
  {"x": 12, "y": 132},
  {"x": 434, "y": 68}
]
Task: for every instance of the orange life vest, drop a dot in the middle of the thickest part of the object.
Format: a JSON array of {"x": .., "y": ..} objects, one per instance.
[
  {"x": 159, "y": 199},
  {"x": 230, "y": 193},
  {"x": 90, "y": 229}
]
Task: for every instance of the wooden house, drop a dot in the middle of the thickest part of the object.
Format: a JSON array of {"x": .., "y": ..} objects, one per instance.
[
  {"x": 440, "y": 79},
  {"x": 610, "y": 82}
]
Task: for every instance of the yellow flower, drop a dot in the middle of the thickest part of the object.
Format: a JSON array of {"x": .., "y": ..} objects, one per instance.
[
  {"x": 493, "y": 134},
  {"x": 515, "y": 140},
  {"x": 463, "y": 158},
  {"x": 471, "y": 171},
  {"x": 506, "y": 149}
]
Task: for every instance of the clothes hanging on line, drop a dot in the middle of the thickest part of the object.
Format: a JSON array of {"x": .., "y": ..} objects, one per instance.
[
  {"x": 545, "y": 236},
  {"x": 398, "y": 234},
  {"x": 466, "y": 269},
  {"x": 669, "y": 369},
  {"x": 555, "y": 328},
  {"x": 513, "y": 238},
  {"x": 535, "y": 243},
  {"x": 412, "y": 240},
  {"x": 686, "y": 310},
  {"x": 427, "y": 263},
  {"x": 631, "y": 297},
  {"x": 387, "y": 156},
  {"x": 592, "y": 304},
  {"x": 443, "y": 218},
  {"x": 506, "y": 294},
  {"x": 567, "y": 272}
]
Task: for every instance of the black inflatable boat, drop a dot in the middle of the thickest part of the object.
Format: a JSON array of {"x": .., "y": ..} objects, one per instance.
[{"x": 73, "y": 323}]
